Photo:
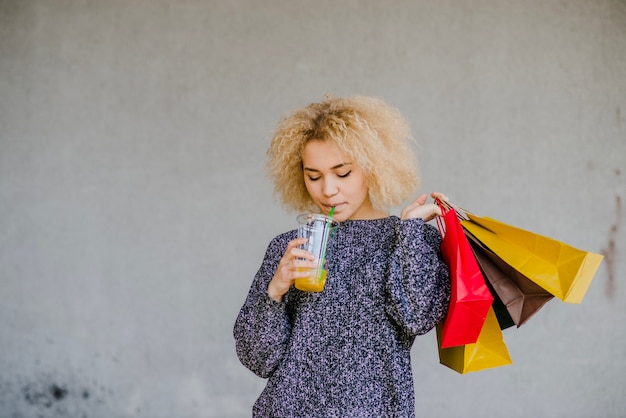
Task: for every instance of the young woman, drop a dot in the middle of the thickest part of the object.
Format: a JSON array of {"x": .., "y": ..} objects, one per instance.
[{"x": 345, "y": 352}]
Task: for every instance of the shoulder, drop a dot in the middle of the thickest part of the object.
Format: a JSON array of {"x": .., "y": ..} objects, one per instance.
[
  {"x": 417, "y": 229},
  {"x": 280, "y": 241},
  {"x": 431, "y": 234}
]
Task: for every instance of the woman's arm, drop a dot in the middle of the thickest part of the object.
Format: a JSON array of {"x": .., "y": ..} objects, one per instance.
[
  {"x": 418, "y": 283},
  {"x": 263, "y": 326}
]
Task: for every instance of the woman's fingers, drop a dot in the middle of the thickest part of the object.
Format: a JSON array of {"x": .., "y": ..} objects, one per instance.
[
  {"x": 413, "y": 205},
  {"x": 295, "y": 258},
  {"x": 440, "y": 196},
  {"x": 420, "y": 209},
  {"x": 421, "y": 199},
  {"x": 294, "y": 264}
]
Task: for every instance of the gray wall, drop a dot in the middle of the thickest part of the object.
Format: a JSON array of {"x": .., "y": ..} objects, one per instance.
[{"x": 134, "y": 209}]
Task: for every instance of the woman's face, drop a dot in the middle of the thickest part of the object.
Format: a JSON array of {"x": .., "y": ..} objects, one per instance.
[{"x": 333, "y": 180}]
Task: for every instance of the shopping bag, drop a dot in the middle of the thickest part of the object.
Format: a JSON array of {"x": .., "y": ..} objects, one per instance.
[
  {"x": 502, "y": 314},
  {"x": 470, "y": 298},
  {"x": 487, "y": 352},
  {"x": 562, "y": 270},
  {"x": 520, "y": 297}
]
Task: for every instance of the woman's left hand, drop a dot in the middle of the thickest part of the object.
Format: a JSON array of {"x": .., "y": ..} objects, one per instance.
[{"x": 420, "y": 209}]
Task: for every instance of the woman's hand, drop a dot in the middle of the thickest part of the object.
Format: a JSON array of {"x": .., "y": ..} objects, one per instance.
[
  {"x": 293, "y": 260},
  {"x": 420, "y": 209}
]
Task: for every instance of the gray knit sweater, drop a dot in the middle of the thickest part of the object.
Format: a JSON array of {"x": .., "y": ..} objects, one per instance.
[{"x": 345, "y": 352}]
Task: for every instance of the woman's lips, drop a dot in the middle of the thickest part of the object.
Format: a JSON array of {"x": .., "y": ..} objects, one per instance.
[{"x": 336, "y": 206}]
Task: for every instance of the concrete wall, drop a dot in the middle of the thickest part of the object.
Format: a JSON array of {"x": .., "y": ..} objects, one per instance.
[{"x": 134, "y": 209}]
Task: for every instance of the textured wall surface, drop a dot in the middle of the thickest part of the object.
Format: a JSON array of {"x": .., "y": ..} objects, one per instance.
[{"x": 134, "y": 208}]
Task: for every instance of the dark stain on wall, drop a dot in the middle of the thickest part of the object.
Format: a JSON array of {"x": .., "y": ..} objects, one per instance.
[
  {"x": 610, "y": 251},
  {"x": 47, "y": 396}
]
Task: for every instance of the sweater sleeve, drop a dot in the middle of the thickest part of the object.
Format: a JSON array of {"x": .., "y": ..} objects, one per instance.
[
  {"x": 263, "y": 326},
  {"x": 419, "y": 284}
]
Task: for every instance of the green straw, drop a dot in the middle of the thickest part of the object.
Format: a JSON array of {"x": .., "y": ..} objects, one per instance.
[{"x": 325, "y": 238}]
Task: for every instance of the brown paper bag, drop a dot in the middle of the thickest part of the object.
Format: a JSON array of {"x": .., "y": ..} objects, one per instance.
[{"x": 521, "y": 297}]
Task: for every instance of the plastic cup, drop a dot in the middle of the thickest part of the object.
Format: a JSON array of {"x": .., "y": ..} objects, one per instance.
[{"x": 318, "y": 230}]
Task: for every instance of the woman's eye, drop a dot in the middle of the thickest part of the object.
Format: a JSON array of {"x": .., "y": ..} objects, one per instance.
[
  {"x": 345, "y": 175},
  {"x": 314, "y": 178}
]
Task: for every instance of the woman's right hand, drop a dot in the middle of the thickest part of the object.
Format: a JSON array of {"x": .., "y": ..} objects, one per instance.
[
  {"x": 420, "y": 209},
  {"x": 286, "y": 272}
]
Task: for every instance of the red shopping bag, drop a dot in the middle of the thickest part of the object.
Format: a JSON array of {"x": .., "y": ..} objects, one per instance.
[{"x": 471, "y": 299}]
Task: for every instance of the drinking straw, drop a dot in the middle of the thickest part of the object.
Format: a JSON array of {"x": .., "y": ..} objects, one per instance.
[{"x": 325, "y": 237}]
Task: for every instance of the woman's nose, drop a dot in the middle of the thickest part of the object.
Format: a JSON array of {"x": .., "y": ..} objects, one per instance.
[{"x": 329, "y": 187}]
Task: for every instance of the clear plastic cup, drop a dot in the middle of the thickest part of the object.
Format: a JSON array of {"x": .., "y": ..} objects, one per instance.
[{"x": 318, "y": 229}]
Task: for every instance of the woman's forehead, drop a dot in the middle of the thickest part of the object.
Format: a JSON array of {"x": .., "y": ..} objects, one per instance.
[{"x": 323, "y": 154}]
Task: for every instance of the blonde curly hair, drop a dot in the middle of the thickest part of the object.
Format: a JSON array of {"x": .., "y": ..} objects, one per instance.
[{"x": 373, "y": 134}]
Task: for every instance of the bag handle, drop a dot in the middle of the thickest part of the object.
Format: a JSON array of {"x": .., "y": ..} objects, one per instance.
[
  {"x": 461, "y": 213},
  {"x": 446, "y": 207},
  {"x": 441, "y": 225}
]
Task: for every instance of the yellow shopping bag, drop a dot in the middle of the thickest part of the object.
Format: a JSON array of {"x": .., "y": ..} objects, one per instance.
[
  {"x": 516, "y": 298},
  {"x": 487, "y": 352},
  {"x": 562, "y": 270}
]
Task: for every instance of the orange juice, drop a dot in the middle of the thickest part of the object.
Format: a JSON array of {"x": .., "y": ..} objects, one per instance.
[{"x": 314, "y": 282}]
